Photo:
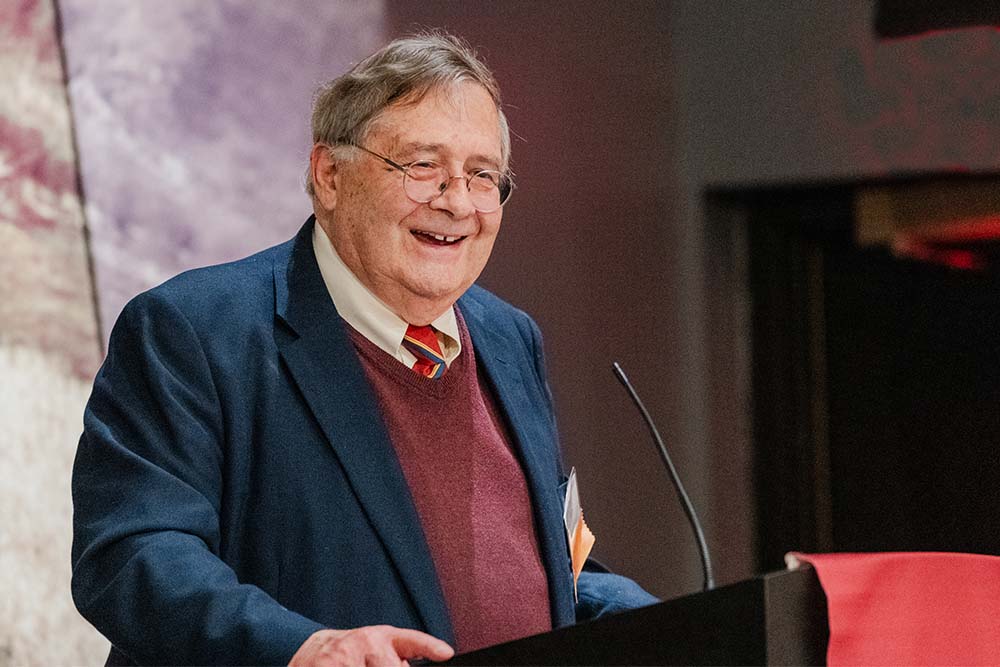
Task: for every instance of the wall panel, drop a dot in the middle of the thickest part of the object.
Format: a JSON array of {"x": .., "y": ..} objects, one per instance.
[{"x": 48, "y": 345}]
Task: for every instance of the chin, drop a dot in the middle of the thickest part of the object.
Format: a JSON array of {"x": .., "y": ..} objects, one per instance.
[
  {"x": 438, "y": 290},
  {"x": 438, "y": 278},
  {"x": 440, "y": 294}
]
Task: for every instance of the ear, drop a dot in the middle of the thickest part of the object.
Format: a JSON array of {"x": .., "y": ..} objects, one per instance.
[{"x": 323, "y": 168}]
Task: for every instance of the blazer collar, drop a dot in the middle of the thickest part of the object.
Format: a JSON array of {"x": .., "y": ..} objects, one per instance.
[
  {"x": 321, "y": 358},
  {"x": 534, "y": 439}
]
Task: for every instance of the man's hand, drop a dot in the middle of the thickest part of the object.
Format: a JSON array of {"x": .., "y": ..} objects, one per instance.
[{"x": 371, "y": 646}]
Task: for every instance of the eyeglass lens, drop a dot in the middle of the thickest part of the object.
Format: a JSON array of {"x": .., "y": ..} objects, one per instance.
[{"x": 488, "y": 190}]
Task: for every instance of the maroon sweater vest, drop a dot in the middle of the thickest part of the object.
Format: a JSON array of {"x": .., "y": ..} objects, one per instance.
[{"x": 470, "y": 493}]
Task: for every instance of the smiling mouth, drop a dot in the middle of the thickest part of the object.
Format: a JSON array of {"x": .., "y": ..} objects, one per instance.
[{"x": 436, "y": 239}]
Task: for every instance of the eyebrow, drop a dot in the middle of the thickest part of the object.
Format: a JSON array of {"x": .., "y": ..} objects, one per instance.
[{"x": 421, "y": 147}]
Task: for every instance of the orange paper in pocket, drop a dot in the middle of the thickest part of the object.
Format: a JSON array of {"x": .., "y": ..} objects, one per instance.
[{"x": 583, "y": 542}]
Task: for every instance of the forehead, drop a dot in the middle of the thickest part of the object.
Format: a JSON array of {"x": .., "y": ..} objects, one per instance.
[{"x": 458, "y": 121}]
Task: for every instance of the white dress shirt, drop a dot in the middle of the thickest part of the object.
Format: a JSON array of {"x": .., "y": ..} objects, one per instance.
[{"x": 368, "y": 315}]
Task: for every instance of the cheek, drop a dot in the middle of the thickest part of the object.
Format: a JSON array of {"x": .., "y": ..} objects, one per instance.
[
  {"x": 378, "y": 224},
  {"x": 490, "y": 228},
  {"x": 484, "y": 245}
]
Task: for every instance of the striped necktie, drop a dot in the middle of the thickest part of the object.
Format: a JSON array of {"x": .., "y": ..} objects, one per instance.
[{"x": 423, "y": 343}]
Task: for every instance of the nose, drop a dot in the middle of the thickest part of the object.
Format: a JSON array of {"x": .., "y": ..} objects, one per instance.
[{"x": 455, "y": 198}]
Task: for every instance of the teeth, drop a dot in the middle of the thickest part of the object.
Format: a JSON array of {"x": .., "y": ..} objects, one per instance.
[{"x": 441, "y": 237}]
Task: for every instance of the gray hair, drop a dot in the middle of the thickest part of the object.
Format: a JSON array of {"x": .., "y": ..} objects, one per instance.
[{"x": 403, "y": 71}]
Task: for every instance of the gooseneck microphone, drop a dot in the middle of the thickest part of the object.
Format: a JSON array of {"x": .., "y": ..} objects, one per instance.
[{"x": 706, "y": 562}]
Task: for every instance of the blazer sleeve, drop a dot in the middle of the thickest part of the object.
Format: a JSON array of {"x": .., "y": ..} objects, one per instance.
[
  {"x": 147, "y": 484},
  {"x": 600, "y": 591}
]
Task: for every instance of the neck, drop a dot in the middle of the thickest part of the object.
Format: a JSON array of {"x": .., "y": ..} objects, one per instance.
[
  {"x": 420, "y": 314},
  {"x": 411, "y": 307}
]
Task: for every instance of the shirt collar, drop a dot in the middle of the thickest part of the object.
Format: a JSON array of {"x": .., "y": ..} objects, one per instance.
[{"x": 366, "y": 313}]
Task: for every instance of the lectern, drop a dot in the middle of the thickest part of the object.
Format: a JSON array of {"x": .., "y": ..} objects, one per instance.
[{"x": 773, "y": 619}]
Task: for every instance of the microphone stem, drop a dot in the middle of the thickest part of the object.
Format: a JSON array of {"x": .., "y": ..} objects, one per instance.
[{"x": 706, "y": 563}]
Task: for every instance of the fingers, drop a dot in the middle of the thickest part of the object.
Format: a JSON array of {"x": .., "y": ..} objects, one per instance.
[
  {"x": 412, "y": 644},
  {"x": 377, "y": 645}
]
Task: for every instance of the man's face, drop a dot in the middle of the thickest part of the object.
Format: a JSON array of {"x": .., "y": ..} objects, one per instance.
[{"x": 386, "y": 239}]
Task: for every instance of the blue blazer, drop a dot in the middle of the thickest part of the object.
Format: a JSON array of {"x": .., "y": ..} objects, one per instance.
[{"x": 235, "y": 489}]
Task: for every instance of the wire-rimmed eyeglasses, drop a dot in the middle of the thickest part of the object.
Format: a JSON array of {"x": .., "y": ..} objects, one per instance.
[{"x": 426, "y": 180}]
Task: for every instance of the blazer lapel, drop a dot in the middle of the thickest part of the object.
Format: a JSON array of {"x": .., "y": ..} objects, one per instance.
[
  {"x": 322, "y": 359},
  {"x": 533, "y": 436}
]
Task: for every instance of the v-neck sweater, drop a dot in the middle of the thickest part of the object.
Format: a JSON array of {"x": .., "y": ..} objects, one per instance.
[{"x": 469, "y": 491}]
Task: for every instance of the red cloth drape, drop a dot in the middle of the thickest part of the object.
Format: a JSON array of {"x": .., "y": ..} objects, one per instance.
[{"x": 911, "y": 608}]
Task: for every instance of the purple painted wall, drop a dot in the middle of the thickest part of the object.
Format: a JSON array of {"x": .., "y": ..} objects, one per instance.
[{"x": 193, "y": 125}]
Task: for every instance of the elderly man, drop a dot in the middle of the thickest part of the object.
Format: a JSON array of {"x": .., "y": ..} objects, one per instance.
[{"x": 339, "y": 450}]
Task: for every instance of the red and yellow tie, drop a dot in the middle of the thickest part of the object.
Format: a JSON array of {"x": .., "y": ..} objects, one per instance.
[{"x": 423, "y": 343}]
